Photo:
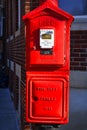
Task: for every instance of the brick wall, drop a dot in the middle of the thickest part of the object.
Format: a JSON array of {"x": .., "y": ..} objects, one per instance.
[
  {"x": 79, "y": 50},
  {"x": 15, "y": 56}
]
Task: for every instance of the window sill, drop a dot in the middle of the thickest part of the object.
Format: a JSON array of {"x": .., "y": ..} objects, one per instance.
[
  {"x": 17, "y": 33},
  {"x": 8, "y": 63},
  {"x": 7, "y": 40},
  {"x": 11, "y": 37},
  {"x": 80, "y": 23}
]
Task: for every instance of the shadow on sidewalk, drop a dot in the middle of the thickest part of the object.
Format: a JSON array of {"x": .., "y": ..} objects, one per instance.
[{"x": 8, "y": 119}]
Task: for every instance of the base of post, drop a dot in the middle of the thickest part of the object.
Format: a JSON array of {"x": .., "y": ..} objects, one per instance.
[{"x": 45, "y": 127}]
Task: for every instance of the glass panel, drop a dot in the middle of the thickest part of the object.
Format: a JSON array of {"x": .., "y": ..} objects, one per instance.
[{"x": 75, "y": 7}]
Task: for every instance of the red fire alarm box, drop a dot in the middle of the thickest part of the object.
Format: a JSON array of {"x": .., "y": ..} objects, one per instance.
[
  {"x": 47, "y": 99},
  {"x": 47, "y": 64}
]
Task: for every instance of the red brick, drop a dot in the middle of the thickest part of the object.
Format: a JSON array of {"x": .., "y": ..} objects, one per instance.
[{"x": 80, "y": 59}]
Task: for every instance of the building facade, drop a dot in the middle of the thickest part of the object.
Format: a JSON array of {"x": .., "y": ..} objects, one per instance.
[
  {"x": 1, "y": 30},
  {"x": 15, "y": 53},
  {"x": 15, "y": 43}
]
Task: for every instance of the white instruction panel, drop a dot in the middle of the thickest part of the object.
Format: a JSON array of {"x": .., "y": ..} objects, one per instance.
[{"x": 46, "y": 38}]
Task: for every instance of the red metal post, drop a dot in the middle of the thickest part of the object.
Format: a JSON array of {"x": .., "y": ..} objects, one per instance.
[{"x": 47, "y": 64}]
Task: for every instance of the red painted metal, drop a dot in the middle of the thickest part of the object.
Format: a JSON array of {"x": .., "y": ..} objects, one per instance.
[{"x": 47, "y": 69}]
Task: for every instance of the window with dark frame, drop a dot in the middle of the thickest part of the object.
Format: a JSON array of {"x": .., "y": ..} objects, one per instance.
[
  {"x": 1, "y": 21},
  {"x": 7, "y": 18},
  {"x": 11, "y": 17},
  {"x": 16, "y": 13},
  {"x": 1, "y": 2}
]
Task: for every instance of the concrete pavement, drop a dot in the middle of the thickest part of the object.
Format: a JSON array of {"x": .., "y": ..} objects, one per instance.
[
  {"x": 78, "y": 111},
  {"x": 8, "y": 119}
]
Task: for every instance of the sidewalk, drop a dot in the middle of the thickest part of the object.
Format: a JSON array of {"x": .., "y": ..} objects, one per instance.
[
  {"x": 78, "y": 110},
  {"x": 7, "y": 113}
]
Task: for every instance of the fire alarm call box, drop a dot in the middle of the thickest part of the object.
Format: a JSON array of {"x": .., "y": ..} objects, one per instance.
[{"x": 47, "y": 64}]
